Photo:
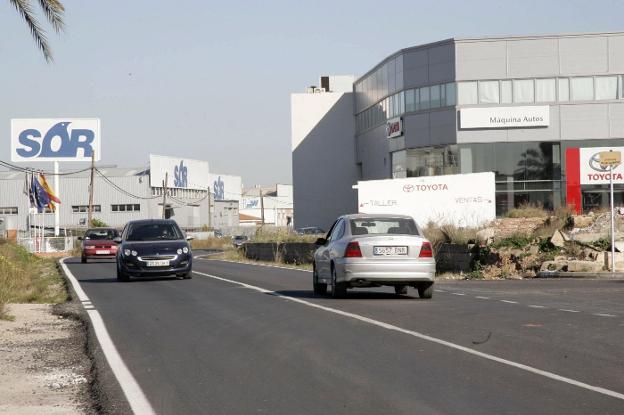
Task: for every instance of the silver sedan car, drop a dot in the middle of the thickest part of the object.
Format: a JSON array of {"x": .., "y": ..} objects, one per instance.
[{"x": 366, "y": 250}]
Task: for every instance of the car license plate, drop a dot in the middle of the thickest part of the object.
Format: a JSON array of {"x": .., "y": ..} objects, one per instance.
[
  {"x": 159, "y": 263},
  {"x": 389, "y": 250},
  {"x": 102, "y": 252}
]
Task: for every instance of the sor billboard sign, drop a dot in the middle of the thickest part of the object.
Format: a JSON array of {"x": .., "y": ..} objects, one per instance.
[
  {"x": 55, "y": 139},
  {"x": 459, "y": 199},
  {"x": 225, "y": 187},
  {"x": 595, "y": 171},
  {"x": 182, "y": 173}
]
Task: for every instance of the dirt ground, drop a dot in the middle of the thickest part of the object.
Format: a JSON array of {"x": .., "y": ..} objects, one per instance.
[{"x": 43, "y": 365}]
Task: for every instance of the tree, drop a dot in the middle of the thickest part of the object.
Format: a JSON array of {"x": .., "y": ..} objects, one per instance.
[{"x": 53, "y": 10}]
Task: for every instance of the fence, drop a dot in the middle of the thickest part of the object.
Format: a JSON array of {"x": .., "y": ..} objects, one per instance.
[{"x": 47, "y": 244}]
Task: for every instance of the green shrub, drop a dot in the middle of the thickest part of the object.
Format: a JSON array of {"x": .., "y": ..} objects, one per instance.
[
  {"x": 602, "y": 244},
  {"x": 98, "y": 223},
  {"x": 518, "y": 240}
]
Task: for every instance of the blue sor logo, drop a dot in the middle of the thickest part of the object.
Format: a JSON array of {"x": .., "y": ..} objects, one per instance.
[
  {"x": 219, "y": 189},
  {"x": 180, "y": 175},
  {"x": 57, "y": 142}
]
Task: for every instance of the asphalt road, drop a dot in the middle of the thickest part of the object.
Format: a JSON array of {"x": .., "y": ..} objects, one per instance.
[{"x": 214, "y": 346}]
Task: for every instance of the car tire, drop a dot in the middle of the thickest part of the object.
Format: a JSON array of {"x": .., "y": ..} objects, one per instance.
[
  {"x": 83, "y": 259},
  {"x": 425, "y": 290},
  {"x": 339, "y": 289},
  {"x": 122, "y": 276},
  {"x": 319, "y": 288},
  {"x": 185, "y": 276},
  {"x": 400, "y": 289}
]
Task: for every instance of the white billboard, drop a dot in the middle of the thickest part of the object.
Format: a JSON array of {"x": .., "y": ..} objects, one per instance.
[
  {"x": 225, "y": 187},
  {"x": 592, "y": 172},
  {"x": 55, "y": 139},
  {"x": 505, "y": 117},
  {"x": 466, "y": 200},
  {"x": 182, "y": 173}
]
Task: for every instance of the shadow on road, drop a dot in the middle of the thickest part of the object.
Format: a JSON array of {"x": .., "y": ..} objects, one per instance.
[{"x": 351, "y": 295}]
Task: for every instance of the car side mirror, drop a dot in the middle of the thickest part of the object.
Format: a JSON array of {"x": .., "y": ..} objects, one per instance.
[
  {"x": 189, "y": 237},
  {"x": 117, "y": 239},
  {"x": 320, "y": 241},
  {"x": 80, "y": 238}
]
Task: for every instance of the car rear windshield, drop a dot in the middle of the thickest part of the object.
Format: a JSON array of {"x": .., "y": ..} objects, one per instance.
[
  {"x": 399, "y": 226},
  {"x": 153, "y": 232},
  {"x": 99, "y": 234}
]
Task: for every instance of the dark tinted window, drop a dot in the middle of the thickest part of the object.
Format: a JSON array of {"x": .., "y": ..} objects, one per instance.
[
  {"x": 399, "y": 226},
  {"x": 101, "y": 234},
  {"x": 153, "y": 232}
]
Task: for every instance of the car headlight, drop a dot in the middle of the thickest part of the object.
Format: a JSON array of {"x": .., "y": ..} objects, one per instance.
[
  {"x": 126, "y": 252},
  {"x": 185, "y": 250},
  {"x": 134, "y": 253},
  {"x": 179, "y": 251}
]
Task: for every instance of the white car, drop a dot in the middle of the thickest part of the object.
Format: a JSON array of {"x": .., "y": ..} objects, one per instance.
[{"x": 366, "y": 250}]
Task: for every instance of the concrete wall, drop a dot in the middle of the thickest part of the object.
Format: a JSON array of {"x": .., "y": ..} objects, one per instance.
[{"x": 323, "y": 155}]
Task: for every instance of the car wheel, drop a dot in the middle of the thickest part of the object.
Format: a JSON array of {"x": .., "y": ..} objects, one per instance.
[
  {"x": 400, "y": 289},
  {"x": 425, "y": 289},
  {"x": 83, "y": 259},
  {"x": 185, "y": 276},
  {"x": 122, "y": 276},
  {"x": 339, "y": 289},
  {"x": 319, "y": 288}
]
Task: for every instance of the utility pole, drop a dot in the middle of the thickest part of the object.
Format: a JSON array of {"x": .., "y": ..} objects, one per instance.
[
  {"x": 165, "y": 194},
  {"x": 90, "y": 214},
  {"x": 261, "y": 205},
  {"x": 209, "y": 210}
]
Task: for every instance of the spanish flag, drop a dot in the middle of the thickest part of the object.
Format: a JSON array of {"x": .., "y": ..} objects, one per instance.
[{"x": 49, "y": 191}]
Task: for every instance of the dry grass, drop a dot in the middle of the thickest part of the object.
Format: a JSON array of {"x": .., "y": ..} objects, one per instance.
[
  {"x": 528, "y": 211},
  {"x": 439, "y": 235},
  {"x": 211, "y": 243},
  {"x": 25, "y": 278},
  {"x": 281, "y": 235}
]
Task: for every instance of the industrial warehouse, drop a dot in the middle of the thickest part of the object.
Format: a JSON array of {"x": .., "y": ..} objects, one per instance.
[
  {"x": 123, "y": 194},
  {"x": 519, "y": 106}
]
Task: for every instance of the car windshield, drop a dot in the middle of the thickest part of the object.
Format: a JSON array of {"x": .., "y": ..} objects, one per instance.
[
  {"x": 153, "y": 232},
  {"x": 399, "y": 226},
  {"x": 100, "y": 234}
]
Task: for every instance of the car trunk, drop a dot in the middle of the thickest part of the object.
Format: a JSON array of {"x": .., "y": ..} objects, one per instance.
[{"x": 386, "y": 244}]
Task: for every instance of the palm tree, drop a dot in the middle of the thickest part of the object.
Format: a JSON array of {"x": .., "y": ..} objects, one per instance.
[{"x": 53, "y": 10}]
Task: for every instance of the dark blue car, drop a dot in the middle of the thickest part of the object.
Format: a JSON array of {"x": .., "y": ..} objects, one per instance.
[{"x": 153, "y": 248}]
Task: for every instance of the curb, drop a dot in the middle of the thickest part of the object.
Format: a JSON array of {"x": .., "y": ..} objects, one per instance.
[
  {"x": 581, "y": 275},
  {"x": 106, "y": 395}
]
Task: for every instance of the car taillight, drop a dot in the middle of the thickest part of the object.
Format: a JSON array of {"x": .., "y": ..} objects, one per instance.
[
  {"x": 425, "y": 250},
  {"x": 353, "y": 250}
]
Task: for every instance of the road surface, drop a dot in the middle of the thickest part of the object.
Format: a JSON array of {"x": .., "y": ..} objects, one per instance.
[{"x": 242, "y": 339}]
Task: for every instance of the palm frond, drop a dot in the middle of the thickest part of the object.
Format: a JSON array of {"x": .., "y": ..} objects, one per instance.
[
  {"x": 24, "y": 8},
  {"x": 53, "y": 10}
]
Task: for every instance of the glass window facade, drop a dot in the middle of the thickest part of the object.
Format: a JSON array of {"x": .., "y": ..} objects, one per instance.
[{"x": 525, "y": 172}]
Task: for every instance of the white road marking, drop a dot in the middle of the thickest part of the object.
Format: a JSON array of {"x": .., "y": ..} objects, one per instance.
[
  {"x": 482, "y": 298},
  {"x": 440, "y": 291},
  {"x": 425, "y": 337},
  {"x": 536, "y": 306},
  {"x": 509, "y": 302},
  {"x": 458, "y": 293},
  {"x": 257, "y": 265},
  {"x": 569, "y": 311},
  {"x": 135, "y": 396},
  {"x": 604, "y": 315}
]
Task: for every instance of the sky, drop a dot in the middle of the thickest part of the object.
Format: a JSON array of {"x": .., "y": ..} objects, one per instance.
[{"x": 212, "y": 80}]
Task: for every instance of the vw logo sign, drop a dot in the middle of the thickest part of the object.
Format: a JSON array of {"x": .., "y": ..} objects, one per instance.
[
  {"x": 594, "y": 163},
  {"x": 408, "y": 188}
]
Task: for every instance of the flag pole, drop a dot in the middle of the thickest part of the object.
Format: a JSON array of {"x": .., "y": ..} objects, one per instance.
[{"x": 57, "y": 212}]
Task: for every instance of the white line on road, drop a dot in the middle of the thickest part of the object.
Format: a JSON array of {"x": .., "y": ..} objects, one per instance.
[
  {"x": 536, "y": 306},
  {"x": 509, "y": 302},
  {"x": 422, "y": 336},
  {"x": 482, "y": 298},
  {"x": 440, "y": 291},
  {"x": 569, "y": 311},
  {"x": 605, "y": 315},
  {"x": 256, "y": 265},
  {"x": 458, "y": 293},
  {"x": 135, "y": 396}
]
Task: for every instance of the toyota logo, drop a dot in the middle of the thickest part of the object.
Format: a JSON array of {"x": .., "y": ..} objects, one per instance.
[
  {"x": 408, "y": 188},
  {"x": 594, "y": 163}
]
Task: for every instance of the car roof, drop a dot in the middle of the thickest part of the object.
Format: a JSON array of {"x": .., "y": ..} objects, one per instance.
[
  {"x": 151, "y": 221},
  {"x": 376, "y": 215}
]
